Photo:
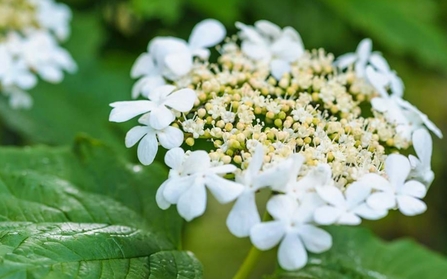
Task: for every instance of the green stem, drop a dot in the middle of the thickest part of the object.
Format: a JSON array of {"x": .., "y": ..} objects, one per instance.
[
  {"x": 251, "y": 259},
  {"x": 248, "y": 264}
]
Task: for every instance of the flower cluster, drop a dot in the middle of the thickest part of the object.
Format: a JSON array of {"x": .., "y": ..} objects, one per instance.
[
  {"x": 330, "y": 140},
  {"x": 29, "y": 34}
]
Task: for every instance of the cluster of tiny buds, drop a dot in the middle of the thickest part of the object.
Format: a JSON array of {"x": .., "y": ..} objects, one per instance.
[{"x": 314, "y": 110}]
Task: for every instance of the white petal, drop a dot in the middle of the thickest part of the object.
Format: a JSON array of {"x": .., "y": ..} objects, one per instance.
[
  {"x": 268, "y": 29},
  {"x": 356, "y": 193},
  {"x": 267, "y": 235},
  {"x": 170, "y": 137},
  {"x": 291, "y": 33},
  {"x": 161, "y": 117},
  {"x": 51, "y": 73},
  {"x": 381, "y": 201},
  {"x": 380, "y": 104},
  {"x": 364, "y": 48},
  {"x": 410, "y": 206},
  {"x": 379, "y": 63},
  {"x": 249, "y": 33},
  {"x": 176, "y": 186},
  {"x": 397, "y": 86},
  {"x": 145, "y": 85},
  {"x": 397, "y": 167},
  {"x": 144, "y": 65},
  {"x": 135, "y": 134},
  {"x": 123, "y": 111},
  {"x": 256, "y": 51},
  {"x": 160, "y": 199},
  {"x": 287, "y": 50},
  {"x": 366, "y": 212},
  {"x": 147, "y": 149},
  {"x": 315, "y": 239},
  {"x": 291, "y": 253},
  {"x": 345, "y": 60},
  {"x": 26, "y": 81},
  {"x": 349, "y": 219},
  {"x": 375, "y": 181},
  {"x": 222, "y": 189},
  {"x": 207, "y": 33},
  {"x": 423, "y": 145},
  {"x": 279, "y": 67},
  {"x": 179, "y": 63},
  {"x": 378, "y": 80},
  {"x": 181, "y": 100},
  {"x": 244, "y": 215},
  {"x": 327, "y": 215},
  {"x": 160, "y": 94},
  {"x": 192, "y": 203},
  {"x": 332, "y": 195},
  {"x": 256, "y": 161},
  {"x": 174, "y": 158},
  {"x": 281, "y": 207},
  {"x": 413, "y": 188},
  {"x": 197, "y": 161},
  {"x": 223, "y": 169}
]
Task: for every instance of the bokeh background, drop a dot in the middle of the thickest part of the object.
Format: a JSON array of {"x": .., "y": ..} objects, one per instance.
[{"x": 107, "y": 37}]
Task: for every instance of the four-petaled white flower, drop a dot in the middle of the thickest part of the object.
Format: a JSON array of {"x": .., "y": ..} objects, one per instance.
[
  {"x": 267, "y": 42},
  {"x": 160, "y": 103},
  {"x": 172, "y": 58},
  {"x": 292, "y": 227},
  {"x": 169, "y": 137},
  {"x": 421, "y": 165},
  {"x": 396, "y": 191},
  {"x": 187, "y": 184},
  {"x": 345, "y": 209}
]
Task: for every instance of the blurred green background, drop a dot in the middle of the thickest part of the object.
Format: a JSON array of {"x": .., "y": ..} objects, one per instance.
[{"x": 108, "y": 36}]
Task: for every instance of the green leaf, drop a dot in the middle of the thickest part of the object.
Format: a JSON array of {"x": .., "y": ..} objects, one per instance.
[
  {"x": 83, "y": 212},
  {"x": 406, "y": 28},
  {"x": 356, "y": 253},
  {"x": 81, "y": 102}
]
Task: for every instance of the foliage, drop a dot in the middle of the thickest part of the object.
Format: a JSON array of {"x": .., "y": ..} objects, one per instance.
[
  {"x": 83, "y": 212},
  {"x": 358, "y": 254}
]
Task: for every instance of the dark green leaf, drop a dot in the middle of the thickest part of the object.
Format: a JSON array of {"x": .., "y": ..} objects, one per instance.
[
  {"x": 83, "y": 212},
  {"x": 356, "y": 253}
]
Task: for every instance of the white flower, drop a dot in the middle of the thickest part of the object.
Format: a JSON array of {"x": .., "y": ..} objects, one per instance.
[
  {"x": 54, "y": 16},
  {"x": 169, "y": 137},
  {"x": 162, "y": 100},
  {"x": 421, "y": 165},
  {"x": 291, "y": 227},
  {"x": 42, "y": 54},
  {"x": 187, "y": 185},
  {"x": 396, "y": 191},
  {"x": 244, "y": 214},
  {"x": 172, "y": 58},
  {"x": 404, "y": 115},
  {"x": 362, "y": 57},
  {"x": 267, "y": 42},
  {"x": 345, "y": 209}
]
